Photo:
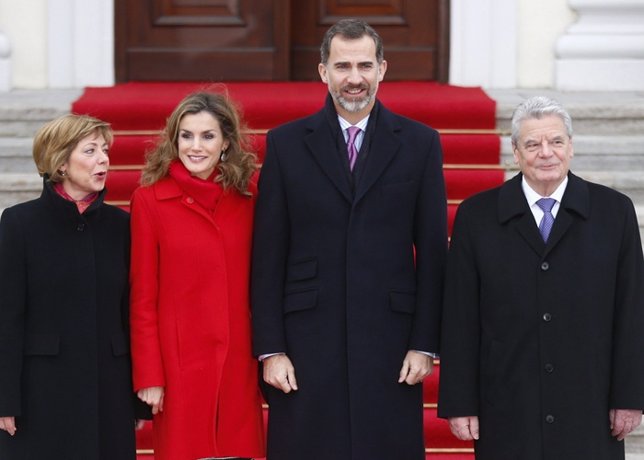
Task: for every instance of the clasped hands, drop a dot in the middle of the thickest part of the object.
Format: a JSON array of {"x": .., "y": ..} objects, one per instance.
[{"x": 280, "y": 373}]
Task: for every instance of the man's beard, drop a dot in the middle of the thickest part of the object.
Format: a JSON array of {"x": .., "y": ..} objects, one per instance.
[{"x": 356, "y": 105}]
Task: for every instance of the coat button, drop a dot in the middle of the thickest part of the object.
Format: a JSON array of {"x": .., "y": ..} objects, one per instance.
[
  {"x": 550, "y": 418},
  {"x": 545, "y": 266},
  {"x": 549, "y": 368},
  {"x": 190, "y": 200},
  {"x": 80, "y": 227},
  {"x": 547, "y": 317}
]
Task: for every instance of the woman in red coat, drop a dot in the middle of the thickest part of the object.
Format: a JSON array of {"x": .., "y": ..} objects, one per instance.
[{"x": 191, "y": 240}]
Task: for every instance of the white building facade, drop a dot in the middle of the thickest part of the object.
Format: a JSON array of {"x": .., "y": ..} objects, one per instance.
[{"x": 560, "y": 44}]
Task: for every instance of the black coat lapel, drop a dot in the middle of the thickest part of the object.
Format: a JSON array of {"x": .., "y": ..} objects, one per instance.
[
  {"x": 513, "y": 204},
  {"x": 575, "y": 200},
  {"x": 384, "y": 145},
  {"x": 322, "y": 144}
]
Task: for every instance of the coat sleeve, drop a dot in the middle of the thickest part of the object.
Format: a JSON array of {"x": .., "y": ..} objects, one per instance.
[
  {"x": 13, "y": 287},
  {"x": 270, "y": 250},
  {"x": 430, "y": 242},
  {"x": 459, "y": 371},
  {"x": 627, "y": 379},
  {"x": 147, "y": 365}
]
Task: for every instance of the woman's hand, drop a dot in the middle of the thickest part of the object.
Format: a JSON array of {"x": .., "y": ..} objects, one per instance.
[
  {"x": 153, "y": 397},
  {"x": 8, "y": 424}
]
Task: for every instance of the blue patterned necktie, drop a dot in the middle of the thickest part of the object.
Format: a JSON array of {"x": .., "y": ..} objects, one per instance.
[
  {"x": 351, "y": 146},
  {"x": 548, "y": 219}
]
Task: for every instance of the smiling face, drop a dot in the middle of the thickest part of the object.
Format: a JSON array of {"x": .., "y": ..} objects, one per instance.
[
  {"x": 85, "y": 170},
  {"x": 352, "y": 74},
  {"x": 543, "y": 152},
  {"x": 200, "y": 143}
]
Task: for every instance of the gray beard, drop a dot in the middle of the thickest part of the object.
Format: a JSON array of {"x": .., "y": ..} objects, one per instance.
[{"x": 353, "y": 106}]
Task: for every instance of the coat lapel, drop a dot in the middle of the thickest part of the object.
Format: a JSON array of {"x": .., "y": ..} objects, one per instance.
[
  {"x": 576, "y": 200},
  {"x": 512, "y": 203},
  {"x": 385, "y": 144},
  {"x": 321, "y": 142}
]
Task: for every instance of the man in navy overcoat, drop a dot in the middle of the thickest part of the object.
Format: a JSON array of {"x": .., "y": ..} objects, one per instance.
[{"x": 348, "y": 259}]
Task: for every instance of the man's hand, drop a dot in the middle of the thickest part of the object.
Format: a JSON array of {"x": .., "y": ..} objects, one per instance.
[
  {"x": 464, "y": 428},
  {"x": 280, "y": 373},
  {"x": 416, "y": 366},
  {"x": 623, "y": 421},
  {"x": 153, "y": 397},
  {"x": 8, "y": 424}
]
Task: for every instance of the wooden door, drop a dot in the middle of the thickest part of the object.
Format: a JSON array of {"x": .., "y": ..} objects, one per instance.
[
  {"x": 415, "y": 35},
  {"x": 236, "y": 40},
  {"x": 204, "y": 40}
]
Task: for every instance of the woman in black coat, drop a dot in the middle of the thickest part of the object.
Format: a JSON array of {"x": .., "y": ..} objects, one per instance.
[{"x": 65, "y": 383}]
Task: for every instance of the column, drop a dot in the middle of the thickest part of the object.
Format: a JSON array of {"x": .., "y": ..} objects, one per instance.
[
  {"x": 604, "y": 49},
  {"x": 5, "y": 63}
]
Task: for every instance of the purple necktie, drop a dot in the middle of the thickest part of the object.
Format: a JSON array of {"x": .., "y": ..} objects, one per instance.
[
  {"x": 351, "y": 146},
  {"x": 548, "y": 219}
]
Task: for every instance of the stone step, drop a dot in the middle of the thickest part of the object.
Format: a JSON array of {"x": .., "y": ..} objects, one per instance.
[
  {"x": 15, "y": 155},
  {"x": 606, "y": 113},
  {"x": 595, "y": 152},
  {"x": 22, "y": 112},
  {"x": 18, "y": 187},
  {"x": 630, "y": 182},
  {"x": 635, "y": 444}
]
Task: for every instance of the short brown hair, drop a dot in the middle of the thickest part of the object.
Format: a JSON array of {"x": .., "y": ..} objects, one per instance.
[
  {"x": 55, "y": 141},
  {"x": 350, "y": 29},
  {"x": 240, "y": 164}
]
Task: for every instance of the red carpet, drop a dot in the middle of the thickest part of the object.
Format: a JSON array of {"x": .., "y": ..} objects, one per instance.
[
  {"x": 464, "y": 116},
  {"x": 144, "y": 106}
]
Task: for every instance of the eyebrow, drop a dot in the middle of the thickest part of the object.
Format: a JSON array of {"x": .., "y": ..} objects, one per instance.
[
  {"x": 341, "y": 63},
  {"x": 205, "y": 131}
]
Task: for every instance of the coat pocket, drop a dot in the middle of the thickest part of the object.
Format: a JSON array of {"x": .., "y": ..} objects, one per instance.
[
  {"x": 301, "y": 300},
  {"x": 403, "y": 301},
  {"x": 42, "y": 344},
  {"x": 302, "y": 270},
  {"x": 120, "y": 346}
]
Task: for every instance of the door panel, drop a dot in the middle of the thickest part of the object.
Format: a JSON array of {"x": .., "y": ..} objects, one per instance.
[
  {"x": 233, "y": 40},
  {"x": 412, "y": 32},
  {"x": 209, "y": 40}
]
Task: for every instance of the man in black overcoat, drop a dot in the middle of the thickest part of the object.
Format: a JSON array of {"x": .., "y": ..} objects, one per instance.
[
  {"x": 543, "y": 320},
  {"x": 349, "y": 250}
]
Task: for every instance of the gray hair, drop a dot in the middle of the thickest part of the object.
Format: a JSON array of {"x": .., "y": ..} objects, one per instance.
[
  {"x": 351, "y": 29},
  {"x": 538, "y": 107}
]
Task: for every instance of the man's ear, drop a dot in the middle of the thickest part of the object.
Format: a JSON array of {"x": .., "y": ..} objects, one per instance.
[
  {"x": 322, "y": 72},
  {"x": 382, "y": 68}
]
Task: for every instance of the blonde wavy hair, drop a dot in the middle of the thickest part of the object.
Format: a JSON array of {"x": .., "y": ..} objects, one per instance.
[
  {"x": 56, "y": 140},
  {"x": 239, "y": 164}
]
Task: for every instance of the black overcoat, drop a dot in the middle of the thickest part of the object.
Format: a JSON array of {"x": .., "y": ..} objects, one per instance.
[
  {"x": 541, "y": 340},
  {"x": 334, "y": 284},
  {"x": 64, "y": 353}
]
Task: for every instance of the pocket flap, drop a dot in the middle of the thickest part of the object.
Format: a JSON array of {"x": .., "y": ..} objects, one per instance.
[
  {"x": 303, "y": 300},
  {"x": 302, "y": 270},
  {"x": 119, "y": 344},
  {"x": 403, "y": 302},
  {"x": 42, "y": 344}
]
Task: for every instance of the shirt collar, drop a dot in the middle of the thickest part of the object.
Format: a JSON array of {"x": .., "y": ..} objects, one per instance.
[
  {"x": 533, "y": 196},
  {"x": 362, "y": 124}
]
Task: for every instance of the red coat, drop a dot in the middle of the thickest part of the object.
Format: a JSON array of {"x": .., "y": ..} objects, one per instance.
[{"x": 190, "y": 321}]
